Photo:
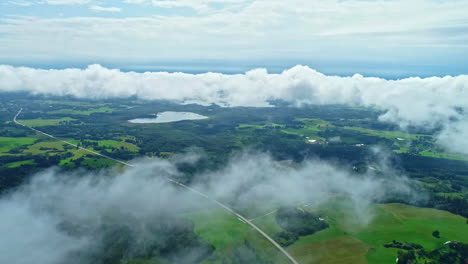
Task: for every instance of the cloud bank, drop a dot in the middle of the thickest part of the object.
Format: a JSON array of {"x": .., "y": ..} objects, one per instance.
[
  {"x": 424, "y": 102},
  {"x": 33, "y": 217},
  {"x": 399, "y": 31}
]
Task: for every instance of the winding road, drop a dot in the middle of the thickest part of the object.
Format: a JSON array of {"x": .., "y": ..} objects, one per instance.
[{"x": 243, "y": 219}]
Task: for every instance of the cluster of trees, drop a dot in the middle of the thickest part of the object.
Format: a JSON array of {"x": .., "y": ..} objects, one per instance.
[
  {"x": 297, "y": 222},
  {"x": 403, "y": 245},
  {"x": 451, "y": 253},
  {"x": 13, "y": 177}
]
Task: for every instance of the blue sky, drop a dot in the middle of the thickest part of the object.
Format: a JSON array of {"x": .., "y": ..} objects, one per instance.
[{"x": 391, "y": 38}]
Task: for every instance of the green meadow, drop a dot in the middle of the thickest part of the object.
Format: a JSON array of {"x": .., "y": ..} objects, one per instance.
[
  {"x": 10, "y": 143},
  {"x": 311, "y": 128},
  {"x": 349, "y": 239},
  {"x": 87, "y": 112},
  {"x": 19, "y": 163},
  {"x": 443, "y": 155},
  {"x": 227, "y": 234},
  {"x": 118, "y": 145},
  {"x": 44, "y": 122}
]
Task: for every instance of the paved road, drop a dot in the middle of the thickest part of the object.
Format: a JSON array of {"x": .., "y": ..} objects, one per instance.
[{"x": 240, "y": 217}]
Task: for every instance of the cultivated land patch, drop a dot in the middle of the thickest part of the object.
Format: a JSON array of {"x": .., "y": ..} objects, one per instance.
[
  {"x": 97, "y": 162},
  {"x": 218, "y": 227},
  {"x": 443, "y": 155},
  {"x": 50, "y": 147},
  {"x": 311, "y": 128},
  {"x": 118, "y": 145},
  {"x": 10, "y": 143},
  {"x": 230, "y": 236},
  {"x": 44, "y": 122},
  {"x": 350, "y": 240},
  {"x": 83, "y": 112},
  {"x": 19, "y": 163}
]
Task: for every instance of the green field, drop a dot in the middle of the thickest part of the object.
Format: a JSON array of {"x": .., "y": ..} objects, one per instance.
[
  {"x": 50, "y": 147},
  {"x": 97, "y": 162},
  {"x": 44, "y": 122},
  {"x": 310, "y": 129},
  {"x": 269, "y": 125},
  {"x": 386, "y": 134},
  {"x": 118, "y": 144},
  {"x": 348, "y": 240},
  {"x": 218, "y": 227},
  {"x": 227, "y": 233},
  {"x": 10, "y": 143},
  {"x": 20, "y": 163},
  {"x": 83, "y": 112},
  {"x": 443, "y": 155}
]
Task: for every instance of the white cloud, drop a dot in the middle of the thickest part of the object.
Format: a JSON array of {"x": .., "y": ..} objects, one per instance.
[
  {"x": 383, "y": 30},
  {"x": 32, "y": 218},
  {"x": 67, "y": 2},
  {"x": 424, "y": 102},
  {"x": 455, "y": 137},
  {"x": 198, "y": 5},
  {"x": 104, "y": 9},
  {"x": 21, "y": 3}
]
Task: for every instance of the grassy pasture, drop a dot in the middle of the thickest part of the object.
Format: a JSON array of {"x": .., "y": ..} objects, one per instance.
[
  {"x": 218, "y": 227},
  {"x": 343, "y": 249},
  {"x": 350, "y": 240},
  {"x": 19, "y": 163},
  {"x": 44, "y": 122},
  {"x": 268, "y": 125},
  {"x": 226, "y": 233},
  {"x": 10, "y": 143},
  {"x": 97, "y": 162},
  {"x": 50, "y": 147},
  {"x": 118, "y": 144},
  {"x": 385, "y": 134},
  {"x": 310, "y": 129},
  {"x": 83, "y": 112},
  {"x": 443, "y": 155}
]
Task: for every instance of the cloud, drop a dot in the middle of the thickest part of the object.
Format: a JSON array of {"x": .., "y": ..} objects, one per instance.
[
  {"x": 423, "y": 102},
  {"x": 316, "y": 30},
  {"x": 67, "y": 2},
  {"x": 36, "y": 218},
  {"x": 104, "y": 9},
  {"x": 454, "y": 137},
  {"x": 21, "y": 3},
  {"x": 198, "y": 5}
]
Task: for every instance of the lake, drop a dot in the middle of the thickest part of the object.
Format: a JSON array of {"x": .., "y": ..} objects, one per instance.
[{"x": 168, "y": 117}]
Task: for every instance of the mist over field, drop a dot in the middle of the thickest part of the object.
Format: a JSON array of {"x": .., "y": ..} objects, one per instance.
[
  {"x": 435, "y": 102},
  {"x": 59, "y": 214}
]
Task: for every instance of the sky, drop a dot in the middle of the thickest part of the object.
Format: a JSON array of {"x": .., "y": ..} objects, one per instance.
[{"x": 384, "y": 38}]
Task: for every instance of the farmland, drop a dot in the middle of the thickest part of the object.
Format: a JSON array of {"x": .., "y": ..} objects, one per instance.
[
  {"x": 358, "y": 242},
  {"x": 329, "y": 133}
]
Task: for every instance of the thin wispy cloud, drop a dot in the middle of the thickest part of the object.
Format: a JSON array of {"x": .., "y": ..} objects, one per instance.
[
  {"x": 20, "y": 3},
  {"x": 396, "y": 31},
  {"x": 67, "y": 2},
  {"x": 35, "y": 217},
  {"x": 104, "y": 9}
]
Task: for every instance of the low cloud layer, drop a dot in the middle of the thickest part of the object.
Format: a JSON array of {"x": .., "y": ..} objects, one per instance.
[
  {"x": 424, "y": 102},
  {"x": 32, "y": 217}
]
